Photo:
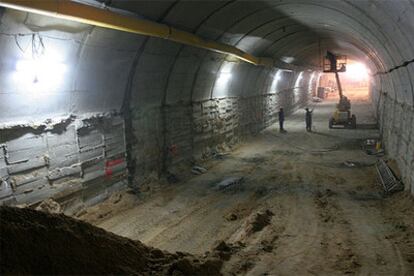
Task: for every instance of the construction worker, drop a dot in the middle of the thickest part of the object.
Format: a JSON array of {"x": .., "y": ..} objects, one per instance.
[
  {"x": 308, "y": 119},
  {"x": 281, "y": 120}
]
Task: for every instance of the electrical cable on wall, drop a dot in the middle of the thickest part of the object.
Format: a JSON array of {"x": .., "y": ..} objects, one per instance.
[
  {"x": 95, "y": 46},
  {"x": 38, "y": 47},
  {"x": 18, "y": 44},
  {"x": 404, "y": 64},
  {"x": 36, "y": 43}
]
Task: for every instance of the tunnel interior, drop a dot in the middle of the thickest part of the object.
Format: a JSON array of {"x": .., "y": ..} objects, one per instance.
[{"x": 87, "y": 111}]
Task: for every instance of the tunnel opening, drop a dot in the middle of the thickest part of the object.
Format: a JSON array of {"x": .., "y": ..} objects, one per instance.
[
  {"x": 161, "y": 121},
  {"x": 355, "y": 82}
]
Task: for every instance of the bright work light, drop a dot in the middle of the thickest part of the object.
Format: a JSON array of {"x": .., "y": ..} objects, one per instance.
[{"x": 44, "y": 73}]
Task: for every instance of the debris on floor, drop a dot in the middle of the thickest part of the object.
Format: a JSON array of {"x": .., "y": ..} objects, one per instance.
[
  {"x": 229, "y": 182},
  {"x": 50, "y": 206},
  {"x": 197, "y": 170},
  {"x": 373, "y": 147},
  {"x": 349, "y": 164},
  {"x": 221, "y": 151},
  {"x": 375, "y": 152},
  {"x": 31, "y": 238},
  {"x": 219, "y": 155},
  {"x": 357, "y": 164}
]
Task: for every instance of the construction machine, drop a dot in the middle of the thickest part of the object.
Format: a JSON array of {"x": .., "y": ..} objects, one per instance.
[{"x": 342, "y": 115}]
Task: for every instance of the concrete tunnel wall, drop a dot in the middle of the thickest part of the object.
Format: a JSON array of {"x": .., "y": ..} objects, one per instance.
[{"x": 167, "y": 104}]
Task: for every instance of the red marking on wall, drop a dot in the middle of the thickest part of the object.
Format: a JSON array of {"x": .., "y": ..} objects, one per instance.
[
  {"x": 111, "y": 163},
  {"x": 108, "y": 172}
]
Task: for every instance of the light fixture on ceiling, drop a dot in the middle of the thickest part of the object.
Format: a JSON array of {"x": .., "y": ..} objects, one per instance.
[{"x": 287, "y": 59}]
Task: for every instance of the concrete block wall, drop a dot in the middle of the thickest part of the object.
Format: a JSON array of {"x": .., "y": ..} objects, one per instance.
[
  {"x": 215, "y": 122},
  {"x": 168, "y": 136},
  {"x": 397, "y": 128},
  {"x": 77, "y": 164},
  {"x": 261, "y": 111},
  {"x": 230, "y": 120}
]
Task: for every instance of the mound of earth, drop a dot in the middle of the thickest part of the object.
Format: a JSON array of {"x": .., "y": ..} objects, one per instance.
[{"x": 34, "y": 242}]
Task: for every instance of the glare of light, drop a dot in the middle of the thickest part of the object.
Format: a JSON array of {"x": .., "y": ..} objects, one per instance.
[
  {"x": 296, "y": 88},
  {"x": 225, "y": 75},
  {"x": 311, "y": 84},
  {"x": 288, "y": 59},
  {"x": 276, "y": 79},
  {"x": 357, "y": 71},
  {"x": 224, "y": 78},
  {"x": 278, "y": 76},
  {"x": 300, "y": 77},
  {"x": 40, "y": 74}
]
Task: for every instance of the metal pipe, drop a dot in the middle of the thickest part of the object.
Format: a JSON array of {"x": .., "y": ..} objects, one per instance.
[{"x": 74, "y": 11}]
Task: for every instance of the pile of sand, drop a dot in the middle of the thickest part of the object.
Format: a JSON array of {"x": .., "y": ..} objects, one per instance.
[{"x": 34, "y": 242}]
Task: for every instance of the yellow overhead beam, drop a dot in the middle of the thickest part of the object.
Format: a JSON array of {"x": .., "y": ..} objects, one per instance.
[{"x": 74, "y": 11}]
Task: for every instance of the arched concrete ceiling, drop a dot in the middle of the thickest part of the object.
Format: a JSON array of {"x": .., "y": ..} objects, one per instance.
[
  {"x": 378, "y": 25},
  {"x": 107, "y": 65},
  {"x": 373, "y": 31}
]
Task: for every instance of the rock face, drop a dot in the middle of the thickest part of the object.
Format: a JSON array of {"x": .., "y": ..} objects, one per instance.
[{"x": 34, "y": 242}]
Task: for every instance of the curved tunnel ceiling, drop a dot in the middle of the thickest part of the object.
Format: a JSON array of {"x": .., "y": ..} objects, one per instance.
[
  {"x": 377, "y": 32},
  {"x": 245, "y": 23}
]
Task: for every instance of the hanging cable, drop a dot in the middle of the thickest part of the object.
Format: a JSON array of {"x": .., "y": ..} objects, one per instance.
[
  {"x": 16, "y": 40},
  {"x": 38, "y": 47}
]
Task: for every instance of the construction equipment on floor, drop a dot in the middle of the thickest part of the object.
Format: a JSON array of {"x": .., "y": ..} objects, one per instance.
[
  {"x": 387, "y": 178},
  {"x": 342, "y": 115}
]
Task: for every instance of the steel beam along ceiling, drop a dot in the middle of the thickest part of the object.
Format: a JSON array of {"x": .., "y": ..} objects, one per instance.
[{"x": 69, "y": 10}]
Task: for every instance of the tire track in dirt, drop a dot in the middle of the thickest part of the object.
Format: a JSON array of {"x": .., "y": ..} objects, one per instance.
[
  {"x": 383, "y": 257},
  {"x": 336, "y": 245}
]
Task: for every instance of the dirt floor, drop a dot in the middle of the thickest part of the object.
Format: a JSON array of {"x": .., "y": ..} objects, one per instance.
[{"x": 298, "y": 209}]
